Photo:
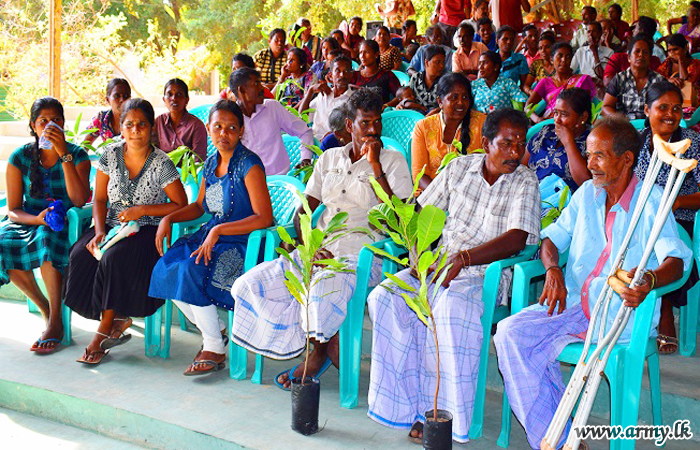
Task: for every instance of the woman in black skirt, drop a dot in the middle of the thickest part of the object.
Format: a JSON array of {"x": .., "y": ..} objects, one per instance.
[{"x": 141, "y": 184}]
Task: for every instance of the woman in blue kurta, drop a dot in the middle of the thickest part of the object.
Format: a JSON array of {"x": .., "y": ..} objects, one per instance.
[
  {"x": 198, "y": 271},
  {"x": 35, "y": 177}
]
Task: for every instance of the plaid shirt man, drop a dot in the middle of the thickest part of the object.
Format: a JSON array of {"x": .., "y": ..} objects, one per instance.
[
  {"x": 269, "y": 66},
  {"x": 630, "y": 102}
]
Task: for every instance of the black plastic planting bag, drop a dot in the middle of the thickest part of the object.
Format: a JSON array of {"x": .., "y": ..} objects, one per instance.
[
  {"x": 437, "y": 435},
  {"x": 305, "y": 404}
]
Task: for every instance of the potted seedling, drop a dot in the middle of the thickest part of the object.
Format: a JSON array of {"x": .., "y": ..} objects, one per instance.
[
  {"x": 417, "y": 231},
  {"x": 299, "y": 281},
  {"x": 306, "y": 171},
  {"x": 190, "y": 165}
]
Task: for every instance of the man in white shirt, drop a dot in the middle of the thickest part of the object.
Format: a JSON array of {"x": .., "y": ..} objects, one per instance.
[
  {"x": 589, "y": 14},
  {"x": 591, "y": 59},
  {"x": 328, "y": 97},
  {"x": 268, "y": 320}
]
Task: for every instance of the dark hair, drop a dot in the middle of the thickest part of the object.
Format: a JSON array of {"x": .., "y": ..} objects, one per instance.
[
  {"x": 244, "y": 59},
  {"x": 695, "y": 5},
  {"x": 142, "y": 105},
  {"x": 548, "y": 36},
  {"x": 480, "y": 2},
  {"x": 483, "y": 21},
  {"x": 372, "y": 44},
  {"x": 365, "y": 99},
  {"x": 493, "y": 57},
  {"x": 408, "y": 24},
  {"x": 641, "y": 38},
  {"x": 617, "y": 8},
  {"x": 337, "y": 30},
  {"x": 590, "y": 8},
  {"x": 431, "y": 30},
  {"x": 114, "y": 82},
  {"x": 179, "y": 83},
  {"x": 332, "y": 41},
  {"x": 530, "y": 27},
  {"x": 444, "y": 87},
  {"x": 597, "y": 26},
  {"x": 341, "y": 58},
  {"x": 301, "y": 55},
  {"x": 336, "y": 119},
  {"x": 624, "y": 135},
  {"x": 647, "y": 25},
  {"x": 678, "y": 40},
  {"x": 302, "y": 21},
  {"x": 385, "y": 29},
  {"x": 358, "y": 18},
  {"x": 559, "y": 45},
  {"x": 578, "y": 99},
  {"x": 36, "y": 179},
  {"x": 240, "y": 77},
  {"x": 431, "y": 51},
  {"x": 503, "y": 30},
  {"x": 493, "y": 121},
  {"x": 338, "y": 53},
  {"x": 468, "y": 28},
  {"x": 655, "y": 92},
  {"x": 227, "y": 105},
  {"x": 274, "y": 32}
]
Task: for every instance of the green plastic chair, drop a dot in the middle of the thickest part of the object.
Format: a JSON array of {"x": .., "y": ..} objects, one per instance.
[
  {"x": 404, "y": 66},
  {"x": 399, "y": 125},
  {"x": 626, "y": 364},
  {"x": 533, "y": 130},
  {"x": 688, "y": 327},
  {"x": 403, "y": 77},
  {"x": 293, "y": 146},
  {"x": 351, "y": 330}
]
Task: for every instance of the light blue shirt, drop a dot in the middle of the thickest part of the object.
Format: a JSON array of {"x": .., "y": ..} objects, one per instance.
[
  {"x": 418, "y": 60},
  {"x": 581, "y": 229}
]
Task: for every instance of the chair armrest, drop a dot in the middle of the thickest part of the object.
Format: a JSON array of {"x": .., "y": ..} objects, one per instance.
[
  {"x": 180, "y": 228},
  {"x": 76, "y": 219},
  {"x": 523, "y": 273}
]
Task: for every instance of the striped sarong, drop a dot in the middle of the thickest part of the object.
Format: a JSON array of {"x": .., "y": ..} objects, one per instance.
[
  {"x": 403, "y": 371},
  {"x": 269, "y": 321},
  {"x": 528, "y": 345}
]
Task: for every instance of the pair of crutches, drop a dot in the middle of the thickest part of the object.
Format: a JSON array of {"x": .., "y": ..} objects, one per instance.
[{"x": 589, "y": 371}]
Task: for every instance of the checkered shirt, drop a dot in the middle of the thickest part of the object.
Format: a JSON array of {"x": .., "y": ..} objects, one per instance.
[
  {"x": 630, "y": 102},
  {"x": 269, "y": 66},
  {"x": 479, "y": 212}
]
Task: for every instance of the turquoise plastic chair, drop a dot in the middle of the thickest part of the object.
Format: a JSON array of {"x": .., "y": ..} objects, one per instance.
[
  {"x": 533, "y": 130},
  {"x": 202, "y": 113},
  {"x": 403, "y": 77},
  {"x": 351, "y": 330},
  {"x": 695, "y": 118},
  {"x": 282, "y": 194},
  {"x": 396, "y": 145},
  {"x": 695, "y": 55},
  {"x": 626, "y": 364},
  {"x": 404, "y": 66},
  {"x": 399, "y": 125},
  {"x": 355, "y": 65},
  {"x": 688, "y": 326},
  {"x": 293, "y": 146}
]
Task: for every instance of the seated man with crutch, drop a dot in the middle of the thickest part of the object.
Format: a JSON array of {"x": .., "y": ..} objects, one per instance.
[{"x": 592, "y": 227}]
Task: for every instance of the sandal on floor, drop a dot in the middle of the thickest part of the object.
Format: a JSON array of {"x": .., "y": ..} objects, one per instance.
[
  {"x": 327, "y": 363},
  {"x": 45, "y": 351},
  {"x": 111, "y": 342},
  {"x": 418, "y": 426},
  {"x": 213, "y": 366},
  {"x": 85, "y": 358},
  {"x": 666, "y": 345}
]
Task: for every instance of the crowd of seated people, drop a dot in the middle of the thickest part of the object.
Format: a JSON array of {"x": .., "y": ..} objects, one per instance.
[{"x": 470, "y": 76}]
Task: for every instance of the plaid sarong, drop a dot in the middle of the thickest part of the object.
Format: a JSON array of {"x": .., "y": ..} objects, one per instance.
[
  {"x": 403, "y": 371},
  {"x": 269, "y": 321},
  {"x": 528, "y": 345}
]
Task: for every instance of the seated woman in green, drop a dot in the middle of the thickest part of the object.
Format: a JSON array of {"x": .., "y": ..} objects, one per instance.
[
  {"x": 135, "y": 182},
  {"x": 36, "y": 176},
  {"x": 198, "y": 271}
]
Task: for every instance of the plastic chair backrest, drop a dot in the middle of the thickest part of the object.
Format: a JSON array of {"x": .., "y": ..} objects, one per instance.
[
  {"x": 404, "y": 66},
  {"x": 537, "y": 127},
  {"x": 551, "y": 188},
  {"x": 695, "y": 55},
  {"x": 293, "y": 146},
  {"x": 399, "y": 125},
  {"x": 396, "y": 145},
  {"x": 201, "y": 112},
  {"x": 355, "y": 65},
  {"x": 403, "y": 77},
  {"x": 638, "y": 124},
  {"x": 283, "y": 195}
]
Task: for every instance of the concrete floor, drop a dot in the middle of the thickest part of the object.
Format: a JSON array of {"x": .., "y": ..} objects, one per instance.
[{"x": 147, "y": 401}]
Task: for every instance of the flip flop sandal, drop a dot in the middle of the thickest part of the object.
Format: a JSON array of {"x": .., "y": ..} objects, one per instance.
[
  {"x": 213, "y": 367},
  {"x": 111, "y": 342},
  {"x": 45, "y": 351},
  {"x": 84, "y": 359},
  {"x": 418, "y": 426},
  {"x": 666, "y": 341},
  {"x": 326, "y": 364}
]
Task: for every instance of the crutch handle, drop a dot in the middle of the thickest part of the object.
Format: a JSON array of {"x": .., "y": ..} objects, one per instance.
[
  {"x": 616, "y": 284},
  {"x": 624, "y": 276},
  {"x": 667, "y": 150}
]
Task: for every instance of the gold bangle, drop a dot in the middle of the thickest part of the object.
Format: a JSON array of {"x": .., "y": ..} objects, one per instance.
[
  {"x": 461, "y": 255},
  {"x": 653, "y": 277}
]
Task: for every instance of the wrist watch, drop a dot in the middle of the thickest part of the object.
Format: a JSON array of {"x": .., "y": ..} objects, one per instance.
[{"x": 67, "y": 158}]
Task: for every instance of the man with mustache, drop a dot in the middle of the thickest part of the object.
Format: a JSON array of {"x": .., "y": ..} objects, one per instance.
[
  {"x": 268, "y": 320},
  {"x": 493, "y": 206},
  {"x": 591, "y": 228}
]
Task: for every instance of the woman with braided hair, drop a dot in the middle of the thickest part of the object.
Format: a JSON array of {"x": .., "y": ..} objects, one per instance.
[{"x": 36, "y": 176}]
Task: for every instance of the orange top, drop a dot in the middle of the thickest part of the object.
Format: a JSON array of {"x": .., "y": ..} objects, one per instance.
[{"x": 427, "y": 147}]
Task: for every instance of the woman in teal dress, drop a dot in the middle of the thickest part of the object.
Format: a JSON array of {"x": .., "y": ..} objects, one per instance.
[
  {"x": 35, "y": 178},
  {"x": 198, "y": 271}
]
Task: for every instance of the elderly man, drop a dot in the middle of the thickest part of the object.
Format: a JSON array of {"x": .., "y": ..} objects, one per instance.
[
  {"x": 592, "y": 228},
  {"x": 493, "y": 204},
  {"x": 310, "y": 42},
  {"x": 589, "y": 15},
  {"x": 268, "y": 319}
]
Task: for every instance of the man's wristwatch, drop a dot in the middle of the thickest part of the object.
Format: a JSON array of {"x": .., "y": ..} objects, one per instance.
[{"x": 67, "y": 158}]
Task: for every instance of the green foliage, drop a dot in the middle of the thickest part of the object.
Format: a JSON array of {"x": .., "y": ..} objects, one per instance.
[
  {"x": 188, "y": 160},
  {"x": 308, "y": 170},
  {"x": 555, "y": 211},
  {"x": 77, "y": 137},
  {"x": 596, "y": 110}
]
